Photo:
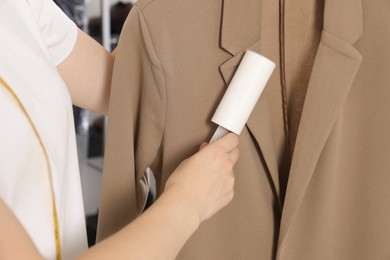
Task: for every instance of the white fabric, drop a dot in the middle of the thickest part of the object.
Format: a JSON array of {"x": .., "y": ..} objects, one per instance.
[
  {"x": 59, "y": 33},
  {"x": 27, "y": 64}
]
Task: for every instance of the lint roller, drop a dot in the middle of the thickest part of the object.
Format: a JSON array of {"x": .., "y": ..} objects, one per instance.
[{"x": 242, "y": 94}]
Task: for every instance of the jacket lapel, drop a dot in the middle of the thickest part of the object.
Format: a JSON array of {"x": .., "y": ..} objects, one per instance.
[
  {"x": 240, "y": 25},
  {"x": 333, "y": 73},
  {"x": 240, "y": 31}
]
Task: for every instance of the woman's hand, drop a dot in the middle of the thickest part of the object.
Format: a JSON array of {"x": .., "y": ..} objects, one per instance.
[{"x": 204, "y": 182}]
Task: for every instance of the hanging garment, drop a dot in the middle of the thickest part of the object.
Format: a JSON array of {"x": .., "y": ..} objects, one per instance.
[{"x": 330, "y": 198}]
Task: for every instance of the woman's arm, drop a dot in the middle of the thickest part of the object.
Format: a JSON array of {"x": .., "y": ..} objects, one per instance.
[
  {"x": 14, "y": 241},
  {"x": 87, "y": 72},
  {"x": 196, "y": 190}
]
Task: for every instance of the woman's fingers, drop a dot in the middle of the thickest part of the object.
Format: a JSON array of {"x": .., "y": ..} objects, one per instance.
[
  {"x": 203, "y": 145},
  {"x": 228, "y": 142},
  {"x": 234, "y": 155}
]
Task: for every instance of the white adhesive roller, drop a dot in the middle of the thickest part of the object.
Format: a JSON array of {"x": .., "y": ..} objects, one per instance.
[{"x": 242, "y": 94}]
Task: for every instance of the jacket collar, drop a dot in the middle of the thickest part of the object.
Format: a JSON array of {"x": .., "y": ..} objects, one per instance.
[
  {"x": 335, "y": 67},
  {"x": 237, "y": 30}
]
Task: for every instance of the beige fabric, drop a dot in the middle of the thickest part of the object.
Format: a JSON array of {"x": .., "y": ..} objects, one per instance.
[
  {"x": 174, "y": 61},
  {"x": 302, "y": 37}
]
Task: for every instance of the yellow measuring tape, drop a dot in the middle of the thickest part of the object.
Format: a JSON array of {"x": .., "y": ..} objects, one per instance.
[{"x": 55, "y": 215}]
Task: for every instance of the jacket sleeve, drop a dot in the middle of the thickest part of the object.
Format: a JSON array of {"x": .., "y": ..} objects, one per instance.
[{"x": 135, "y": 126}]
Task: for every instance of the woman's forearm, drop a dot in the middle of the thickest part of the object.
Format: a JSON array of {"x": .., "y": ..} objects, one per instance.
[
  {"x": 159, "y": 233},
  {"x": 199, "y": 187}
]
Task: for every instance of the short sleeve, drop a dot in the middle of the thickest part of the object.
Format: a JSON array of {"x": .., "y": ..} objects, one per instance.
[{"x": 58, "y": 31}]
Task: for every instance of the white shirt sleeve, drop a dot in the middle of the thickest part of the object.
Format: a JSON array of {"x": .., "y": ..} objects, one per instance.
[{"x": 58, "y": 31}]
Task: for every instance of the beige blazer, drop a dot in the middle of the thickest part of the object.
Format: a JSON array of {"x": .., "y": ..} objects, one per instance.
[{"x": 174, "y": 61}]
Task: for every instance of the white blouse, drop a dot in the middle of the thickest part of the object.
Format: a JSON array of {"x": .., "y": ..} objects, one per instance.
[{"x": 39, "y": 172}]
